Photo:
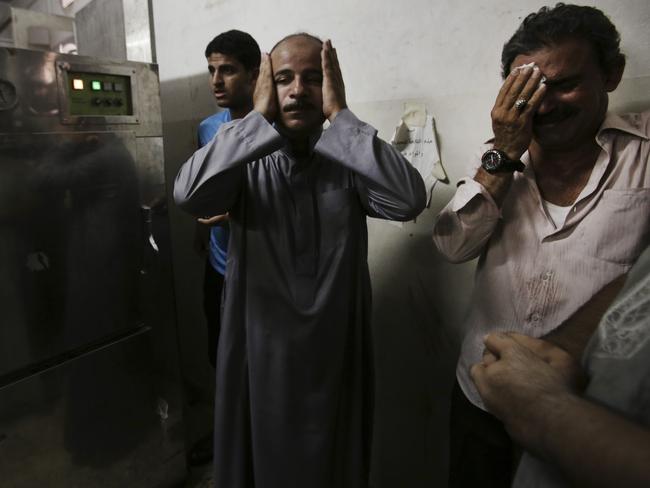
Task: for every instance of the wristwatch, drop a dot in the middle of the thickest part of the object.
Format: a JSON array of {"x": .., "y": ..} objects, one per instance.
[{"x": 496, "y": 161}]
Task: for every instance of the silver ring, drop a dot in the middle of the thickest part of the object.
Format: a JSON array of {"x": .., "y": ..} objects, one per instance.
[{"x": 521, "y": 103}]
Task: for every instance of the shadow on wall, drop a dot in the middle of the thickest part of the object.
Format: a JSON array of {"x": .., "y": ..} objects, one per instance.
[
  {"x": 416, "y": 342},
  {"x": 185, "y": 102}
]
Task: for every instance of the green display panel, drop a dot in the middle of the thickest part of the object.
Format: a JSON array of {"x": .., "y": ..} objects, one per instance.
[{"x": 97, "y": 94}]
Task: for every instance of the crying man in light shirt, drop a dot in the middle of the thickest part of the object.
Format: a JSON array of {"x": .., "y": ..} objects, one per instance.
[{"x": 555, "y": 207}]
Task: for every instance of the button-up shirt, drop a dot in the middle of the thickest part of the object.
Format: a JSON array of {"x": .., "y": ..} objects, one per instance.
[{"x": 533, "y": 275}]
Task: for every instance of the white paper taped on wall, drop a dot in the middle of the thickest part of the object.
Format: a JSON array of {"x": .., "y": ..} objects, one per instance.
[{"x": 415, "y": 138}]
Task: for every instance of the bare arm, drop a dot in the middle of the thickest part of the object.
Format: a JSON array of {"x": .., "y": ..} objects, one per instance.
[{"x": 591, "y": 445}]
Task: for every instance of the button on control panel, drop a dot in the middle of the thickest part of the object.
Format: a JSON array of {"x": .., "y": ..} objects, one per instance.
[{"x": 97, "y": 94}]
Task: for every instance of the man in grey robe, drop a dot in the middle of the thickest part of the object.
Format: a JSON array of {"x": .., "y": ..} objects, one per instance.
[{"x": 294, "y": 364}]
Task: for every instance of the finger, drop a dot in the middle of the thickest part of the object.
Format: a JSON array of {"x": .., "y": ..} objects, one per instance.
[
  {"x": 506, "y": 87},
  {"x": 325, "y": 57},
  {"x": 517, "y": 87},
  {"x": 541, "y": 348},
  {"x": 264, "y": 64},
  {"x": 488, "y": 358},
  {"x": 536, "y": 99},
  {"x": 212, "y": 220},
  {"x": 530, "y": 87},
  {"x": 477, "y": 373},
  {"x": 497, "y": 343},
  {"x": 335, "y": 63},
  {"x": 268, "y": 67},
  {"x": 532, "y": 343},
  {"x": 265, "y": 73}
]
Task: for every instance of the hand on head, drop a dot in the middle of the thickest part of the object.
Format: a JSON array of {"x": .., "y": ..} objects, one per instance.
[
  {"x": 265, "y": 99},
  {"x": 512, "y": 114},
  {"x": 333, "y": 86}
]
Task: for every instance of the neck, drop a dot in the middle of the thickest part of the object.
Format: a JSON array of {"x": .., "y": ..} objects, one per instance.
[
  {"x": 300, "y": 146},
  {"x": 564, "y": 162},
  {"x": 562, "y": 175}
]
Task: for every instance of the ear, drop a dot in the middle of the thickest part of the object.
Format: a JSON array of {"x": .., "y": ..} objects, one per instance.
[{"x": 613, "y": 78}]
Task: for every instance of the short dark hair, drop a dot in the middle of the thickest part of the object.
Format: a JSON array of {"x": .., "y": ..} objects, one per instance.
[
  {"x": 297, "y": 34},
  {"x": 550, "y": 26},
  {"x": 237, "y": 44}
]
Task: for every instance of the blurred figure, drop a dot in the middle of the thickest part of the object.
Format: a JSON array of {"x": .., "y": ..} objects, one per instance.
[{"x": 598, "y": 438}]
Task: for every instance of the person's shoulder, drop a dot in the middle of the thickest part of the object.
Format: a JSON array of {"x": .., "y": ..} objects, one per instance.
[
  {"x": 215, "y": 119},
  {"x": 210, "y": 125}
]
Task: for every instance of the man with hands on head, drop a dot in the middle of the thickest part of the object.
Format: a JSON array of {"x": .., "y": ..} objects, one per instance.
[
  {"x": 294, "y": 364},
  {"x": 599, "y": 438},
  {"x": 555, "y": 208}
]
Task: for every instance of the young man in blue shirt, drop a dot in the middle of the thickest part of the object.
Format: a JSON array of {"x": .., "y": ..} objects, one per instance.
[{"x": 233, "y": 63}]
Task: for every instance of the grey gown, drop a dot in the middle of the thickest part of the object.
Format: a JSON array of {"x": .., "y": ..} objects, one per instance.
[{"x": 294, "y": 362}]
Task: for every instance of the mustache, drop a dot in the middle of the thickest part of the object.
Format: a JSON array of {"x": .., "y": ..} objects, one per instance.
[{"x": 297, "y": 105}]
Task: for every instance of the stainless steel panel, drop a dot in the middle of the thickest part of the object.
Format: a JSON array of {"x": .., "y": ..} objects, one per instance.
[
  {"x": 30, "y": 29},
  {"x": 72, "y": 233},
  {"x": 107, "y": 419},
  {"x": 100, "y": 30},
  {"x": 41, "y": 107},
  {"x": 137, "y": 22},
  {"x": 152, "y": 180},
  {"x": 88, "y": 343}
]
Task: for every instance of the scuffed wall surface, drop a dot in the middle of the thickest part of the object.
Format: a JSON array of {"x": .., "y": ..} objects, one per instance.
[{"x": 444, "y": 53}]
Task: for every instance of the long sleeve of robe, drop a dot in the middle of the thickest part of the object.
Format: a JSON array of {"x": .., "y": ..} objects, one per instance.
[{"x": 294, "y": 365}]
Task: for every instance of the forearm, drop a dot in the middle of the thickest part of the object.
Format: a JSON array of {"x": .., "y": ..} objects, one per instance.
[
  {"x": 389, "y": 186},
  {"x": 591, "y": 445},
  {"x": 575, "y": 332},
  {"x": 464, "y": 226},
  {"x": 497, "y": 185},
  {"x": 209, "y": 182}
]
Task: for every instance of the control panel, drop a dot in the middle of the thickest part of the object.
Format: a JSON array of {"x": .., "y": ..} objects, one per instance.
[{"x": 99, "y": 94}]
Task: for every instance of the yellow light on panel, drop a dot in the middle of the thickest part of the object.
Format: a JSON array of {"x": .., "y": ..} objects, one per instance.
[{"x": 77, "y": 84}]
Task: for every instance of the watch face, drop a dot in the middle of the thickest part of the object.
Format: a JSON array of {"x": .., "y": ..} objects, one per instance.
[{"x": 491, "y": 161}]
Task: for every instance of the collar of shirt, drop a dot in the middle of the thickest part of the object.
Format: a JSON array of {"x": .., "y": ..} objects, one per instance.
[{"x": 629, "y": 123}]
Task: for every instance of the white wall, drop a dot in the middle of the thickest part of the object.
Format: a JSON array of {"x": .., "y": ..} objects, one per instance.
[{"x": 445, "y": 53}]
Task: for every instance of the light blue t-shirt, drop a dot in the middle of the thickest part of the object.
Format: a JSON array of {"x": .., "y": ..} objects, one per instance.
[{"x": 219, "y": 234}]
